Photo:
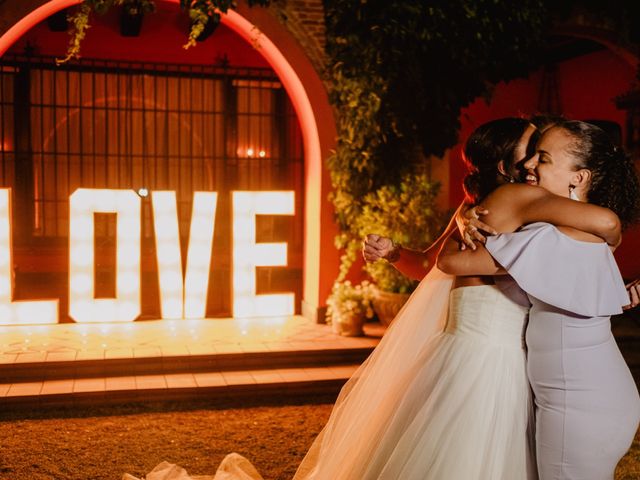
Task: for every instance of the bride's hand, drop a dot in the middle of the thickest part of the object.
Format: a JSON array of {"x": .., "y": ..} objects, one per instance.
[
  {"x": 634, "y": 294},
  {"x": 471, "y": 228},
  {"x": 375, "y": 247}
]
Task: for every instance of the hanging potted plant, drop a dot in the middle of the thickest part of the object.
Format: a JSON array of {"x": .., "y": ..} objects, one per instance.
[
  {"x": 204, "y": 15},
  {"x": 131, "y": 16}
]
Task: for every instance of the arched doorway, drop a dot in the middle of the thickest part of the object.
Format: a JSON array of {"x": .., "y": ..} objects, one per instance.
[{"x": 307, "y": 94}]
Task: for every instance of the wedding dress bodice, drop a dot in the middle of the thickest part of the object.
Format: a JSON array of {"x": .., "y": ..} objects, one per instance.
[{"x": 486, "y": 314}]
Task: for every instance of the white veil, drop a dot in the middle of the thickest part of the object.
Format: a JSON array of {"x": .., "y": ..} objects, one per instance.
[
  {"x": 366, "y": 403},
  {"x": 369, "y": 399}
]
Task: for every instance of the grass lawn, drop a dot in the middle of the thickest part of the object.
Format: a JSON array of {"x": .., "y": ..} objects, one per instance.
[{"x": 105, "y": 442}]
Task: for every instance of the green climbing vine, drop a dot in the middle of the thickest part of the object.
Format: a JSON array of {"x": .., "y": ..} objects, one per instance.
[{"x": 399, "y": 73}]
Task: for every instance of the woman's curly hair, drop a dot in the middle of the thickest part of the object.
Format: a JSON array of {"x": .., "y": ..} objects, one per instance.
[
  {"x": 491, "y": 143},
  {"x": 614, "y": 179}
]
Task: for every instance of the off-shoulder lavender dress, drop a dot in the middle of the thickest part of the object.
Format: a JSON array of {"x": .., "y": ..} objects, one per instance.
[{"x": 587, "y": 403}]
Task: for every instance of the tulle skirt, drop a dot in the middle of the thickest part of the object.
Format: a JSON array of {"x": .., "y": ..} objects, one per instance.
[
  {"x": 461, "y": 410},
  {"x": 444, "y": 396},
  {"x": 473, "y": 424}
]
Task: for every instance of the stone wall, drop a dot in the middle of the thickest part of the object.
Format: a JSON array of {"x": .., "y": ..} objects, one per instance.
[{"x": 304, "y": 19}]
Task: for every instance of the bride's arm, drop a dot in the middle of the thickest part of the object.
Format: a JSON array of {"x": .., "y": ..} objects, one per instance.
[
  {"x": 412, "y": 263},
  {"x": 454, "y": 261}
]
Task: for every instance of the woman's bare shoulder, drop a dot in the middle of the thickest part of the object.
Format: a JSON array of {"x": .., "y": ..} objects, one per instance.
[{"x": 580, "y": 235}]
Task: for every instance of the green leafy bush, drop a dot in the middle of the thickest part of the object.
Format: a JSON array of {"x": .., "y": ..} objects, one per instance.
[
  {"x": 398, "y": 74},
  {"x": 407, "y": 214}
]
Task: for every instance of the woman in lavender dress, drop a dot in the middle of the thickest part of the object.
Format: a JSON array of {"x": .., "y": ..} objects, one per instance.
[{"x": 587, "y": 404}]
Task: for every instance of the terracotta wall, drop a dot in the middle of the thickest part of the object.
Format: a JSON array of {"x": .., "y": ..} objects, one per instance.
[{"x": 161, "y": 39}]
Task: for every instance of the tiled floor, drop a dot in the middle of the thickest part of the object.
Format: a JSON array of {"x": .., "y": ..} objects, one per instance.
[
  {"x": 157, "y": 338},
  {"x": 71, "y": 363}
]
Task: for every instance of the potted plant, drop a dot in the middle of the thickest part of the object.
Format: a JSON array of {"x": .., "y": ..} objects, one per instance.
[
  {"x": 407, "y": 214},
  {"x": 348, "y": 307},
  {"x": 204, "y": 15},
  {"x": 131, "y": 16}
]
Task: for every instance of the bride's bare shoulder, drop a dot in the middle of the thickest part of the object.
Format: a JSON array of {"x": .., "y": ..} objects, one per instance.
[{"x": 515, "y": 192}]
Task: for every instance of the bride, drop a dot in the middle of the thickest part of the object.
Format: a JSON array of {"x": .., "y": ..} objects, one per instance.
[{"x": 445, "y": 394}]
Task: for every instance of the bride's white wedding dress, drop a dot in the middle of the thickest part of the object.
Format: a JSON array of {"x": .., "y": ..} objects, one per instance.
[{"x": 443, "y": 397}]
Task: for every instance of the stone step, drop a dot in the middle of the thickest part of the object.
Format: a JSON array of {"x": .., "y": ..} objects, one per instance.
[
  {"x": 53, "y": 369},
  {"x": 210, "y": 385}
]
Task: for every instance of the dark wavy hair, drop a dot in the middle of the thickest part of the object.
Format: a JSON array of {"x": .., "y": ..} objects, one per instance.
[
  {"x": 614, "y": 180},
  {"x": 486, "y": 147},
  {"x": 543, "y": 121}
]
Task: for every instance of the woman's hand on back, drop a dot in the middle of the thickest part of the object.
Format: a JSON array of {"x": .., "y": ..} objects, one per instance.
[
  {"x": 471, "y": 228},
  {"x": 634, "y": 293}
]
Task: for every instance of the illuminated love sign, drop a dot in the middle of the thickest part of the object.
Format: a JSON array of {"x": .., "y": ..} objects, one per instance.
[
  {"x": 181, "y": 296},
  {"x": 17, "y": 313},
  {"x": 83, "y": 306},
  {"x": 180, "y": 299}
]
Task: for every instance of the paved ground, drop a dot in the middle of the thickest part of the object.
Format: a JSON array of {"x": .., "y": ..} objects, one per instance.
[
  {"x": 160, "y": 359},
  {"x": 168, "y": 338}
]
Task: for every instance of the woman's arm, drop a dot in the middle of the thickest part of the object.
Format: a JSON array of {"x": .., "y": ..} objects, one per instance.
[
  {"x": 417, "y": 264},
  {"x": 512, "y": 206},
  {"x": 454, "y": 261}
]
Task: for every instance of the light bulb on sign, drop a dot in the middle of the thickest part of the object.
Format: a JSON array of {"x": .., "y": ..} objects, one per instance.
[
  {"x": 143, "y": 192},
  {"x": 249, "y": 152},
  {"x": 168, "y": 254},
  {"x": 196, "y": 278},
  {"x": 262, "y": 154}
]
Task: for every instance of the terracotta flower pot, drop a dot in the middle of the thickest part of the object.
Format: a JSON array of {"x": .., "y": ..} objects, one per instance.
[
  {"x": 131, "y": 22},
  {"x": 388, "y": 304},
  {"x": 209, "y": 28},
  {"x": 348, "y": 324}
]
